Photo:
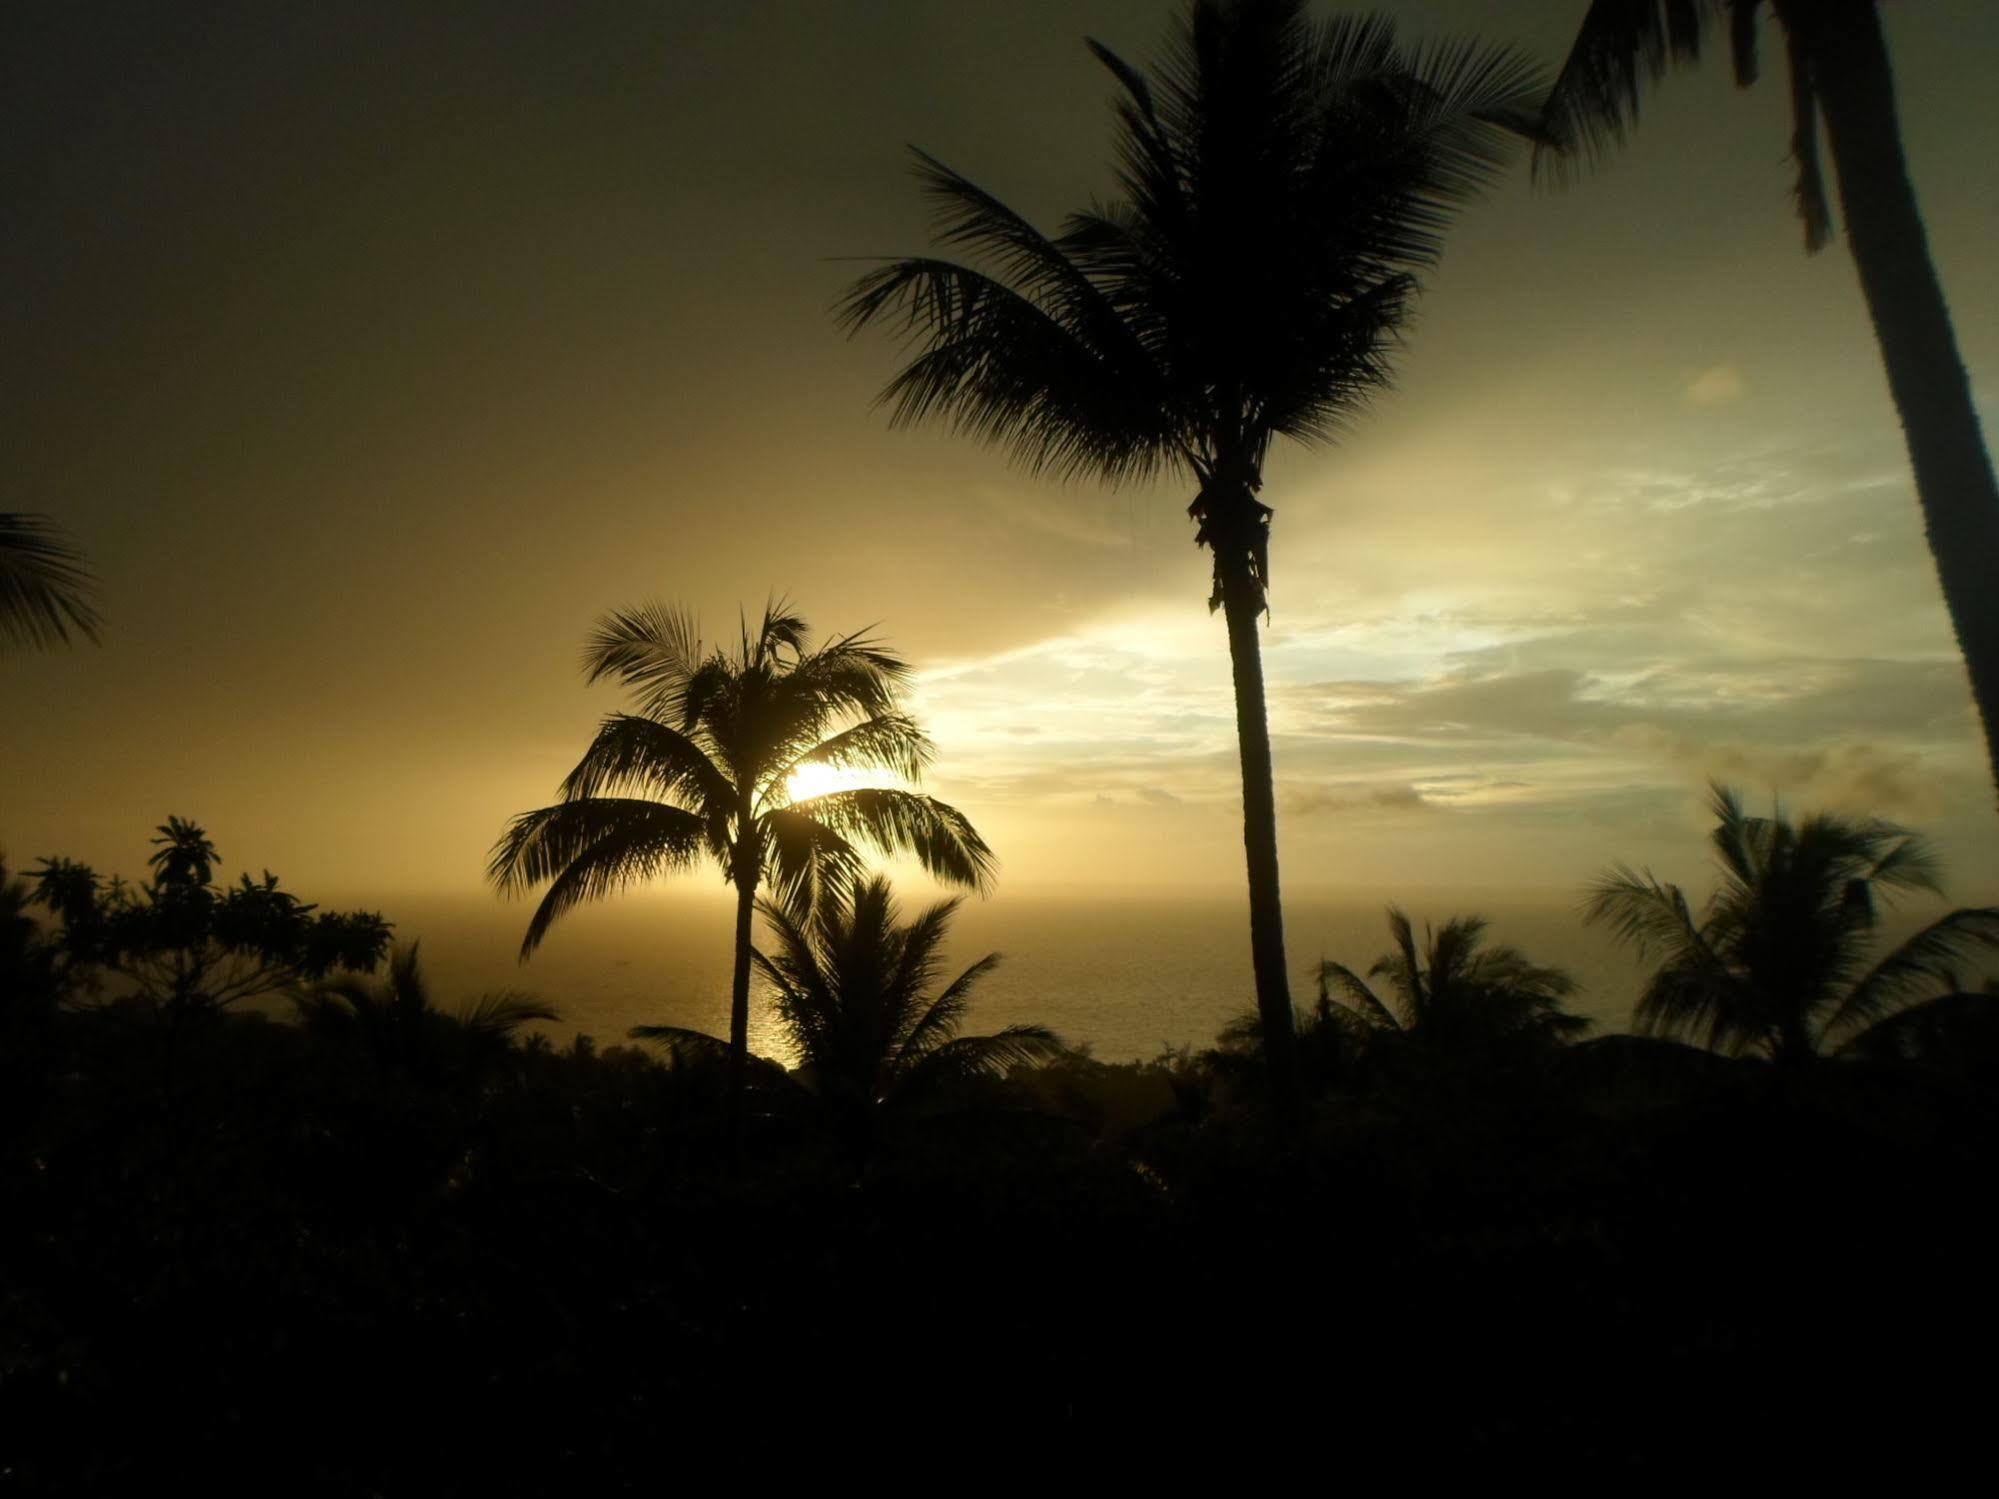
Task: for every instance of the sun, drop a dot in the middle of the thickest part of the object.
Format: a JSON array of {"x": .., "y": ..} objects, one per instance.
[{"x": 818, "y": 780}]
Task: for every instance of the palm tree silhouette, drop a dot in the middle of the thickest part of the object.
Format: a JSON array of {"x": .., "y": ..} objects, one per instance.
[
  {"x": 852, "y": 984},
  {"x": 704, "y": 768},
  {"x": 1839, "y": 66},
  {"x": 1776, "y": 964},
  {"x": 45, "y": 587},
  {"x": 1454, "y": 993},
  {"x": 397, "y": 1023},
  {"x": 183, "y": 853},
  {"x": 1280, "y": 184}
]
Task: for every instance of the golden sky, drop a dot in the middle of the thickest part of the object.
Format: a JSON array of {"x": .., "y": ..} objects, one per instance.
[{"x": 371, "y": 355}]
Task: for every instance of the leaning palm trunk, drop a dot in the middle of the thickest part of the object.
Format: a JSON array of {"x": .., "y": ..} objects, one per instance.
[
  {"x": 1954, "y": 482},
  {"x": 1840, "y": 78}
]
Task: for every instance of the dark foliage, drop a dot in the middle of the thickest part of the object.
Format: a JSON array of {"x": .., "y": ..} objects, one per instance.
[
  {"x": 189, "y": 944},
  {"x": 45, "y": 586},
  {"x": 250, "y": 1253}
]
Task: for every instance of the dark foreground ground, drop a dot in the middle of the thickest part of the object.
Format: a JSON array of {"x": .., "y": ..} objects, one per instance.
[{"x": 233, "y": 1255}]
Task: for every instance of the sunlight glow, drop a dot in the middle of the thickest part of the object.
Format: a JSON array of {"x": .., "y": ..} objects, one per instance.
[{"x": 818, "y": 780}]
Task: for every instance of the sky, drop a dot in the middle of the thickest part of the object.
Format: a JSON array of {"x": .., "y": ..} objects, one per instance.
[{"x": 371, "y": 351}]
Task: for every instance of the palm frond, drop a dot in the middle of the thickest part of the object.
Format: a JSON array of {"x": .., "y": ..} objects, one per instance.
[
  {"x": 782, "y": 629},
  {"x": 1808, "y": 191},
  {"x": 1621, "y": 46},
  {"x": 889, "y": 741},
  {"x": 1132, "y": 78},
  {"x": 1649, "y": 914},
  {"x": 849, "y": 674},
  {"x": 1908, "y": 861},
  {"x": 994, "y": 365},
  {"x": 681, "y": 1043},
  {"x": 500, "y": 1012},
  {"x": 1403, "y": 968},
  {"x": 589, "y": 849},
  {"x": 637, "y": 754},
  {"x": 45, "y": 586},
  {"x": 968, "y": 1057},
  {"x": 1704, "y": 1004},
  {"x": 940, "y": 836},
  {"x": 1743, "y": 18},
  {"x": 969, "y": 218},
  {"x": 1357, "y": 997},
  {"x": 653, "y": 650},
  {"x": 1918, "y": 969},
  {"x": 941, "y": 1019},
  {"x": 805, "y": 861}
]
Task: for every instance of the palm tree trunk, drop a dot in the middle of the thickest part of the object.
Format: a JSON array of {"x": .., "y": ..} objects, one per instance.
[
  {"x": 1954, "y": 482},
  {"x": 739, "y": 1004},
  {"x": 1242, "y": 607}
]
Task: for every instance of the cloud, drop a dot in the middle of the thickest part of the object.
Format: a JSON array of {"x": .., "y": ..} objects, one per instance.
[
  {"x": 1717, "y": 386},
  {"x": 1308, "y": 801},
  {"x": 1157, "y": 796},
  {"x": 1849, "y": 777}
]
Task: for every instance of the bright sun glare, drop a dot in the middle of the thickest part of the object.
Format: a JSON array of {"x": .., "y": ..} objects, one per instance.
[{"x": 817, "y": 780}]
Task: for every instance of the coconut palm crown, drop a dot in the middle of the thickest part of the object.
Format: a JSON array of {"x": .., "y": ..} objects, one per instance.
[
  {"x": 1455, "y": 989},
  {"x": 1776, "y": 964},
  {"x": 703, "y": 770},
  {"x": 856, "y": 989}
]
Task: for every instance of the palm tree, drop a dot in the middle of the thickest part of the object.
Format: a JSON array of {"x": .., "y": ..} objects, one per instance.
[
  {"x": 1776, "y": 964},
  {"x": 45, "y": 587},
  {"x": 853, "y": 985},
  {"x": 1838, "y": 63},
  {"x": 705, "y": 768},
  {"x": 1455, "y": 993},
  {"x": 185, "y": 855},
  {"x": 1281, "y": 183},
  {"x": 397, "y": 1023}
]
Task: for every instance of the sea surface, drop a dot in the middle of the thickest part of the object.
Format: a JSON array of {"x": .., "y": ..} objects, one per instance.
[{"x": 1125, "y": 977}]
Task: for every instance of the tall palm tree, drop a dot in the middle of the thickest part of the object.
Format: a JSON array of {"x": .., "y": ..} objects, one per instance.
[
  {"x": 853, "y": 987},
  {"x": 45, "y": 587},
  {"x": 1455, "y": 991},
  {"x": 1839, "y": 68},
  {"x": 704, "y": 769},
  {"x": 1280, "y": 185},
  {"x": 1776, "y": 963}
]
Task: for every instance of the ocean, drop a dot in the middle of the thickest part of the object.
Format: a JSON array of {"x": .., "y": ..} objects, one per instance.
[{"x": 1124, "y": 977}]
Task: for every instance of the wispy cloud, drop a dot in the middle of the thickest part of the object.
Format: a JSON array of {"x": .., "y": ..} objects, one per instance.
[
  {"x": 1717, "y": 386},
  {"x": 1643, "y": 628}
]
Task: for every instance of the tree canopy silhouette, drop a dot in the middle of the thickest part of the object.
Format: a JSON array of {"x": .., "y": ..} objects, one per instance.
[
  {"x": 45, "y": 587},
  {"x": 1281, "y": 183},
  {"x": 1776, "y": 963},
  {"x": 396, "y": 1022},
  {"x": 1841, "y": 77},
  {"x": 1454, "y": 993},
  {"x": 186, "y": 943},
  {"x": 856, "y": 989},
  {"x": 703, "y": 770}
]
